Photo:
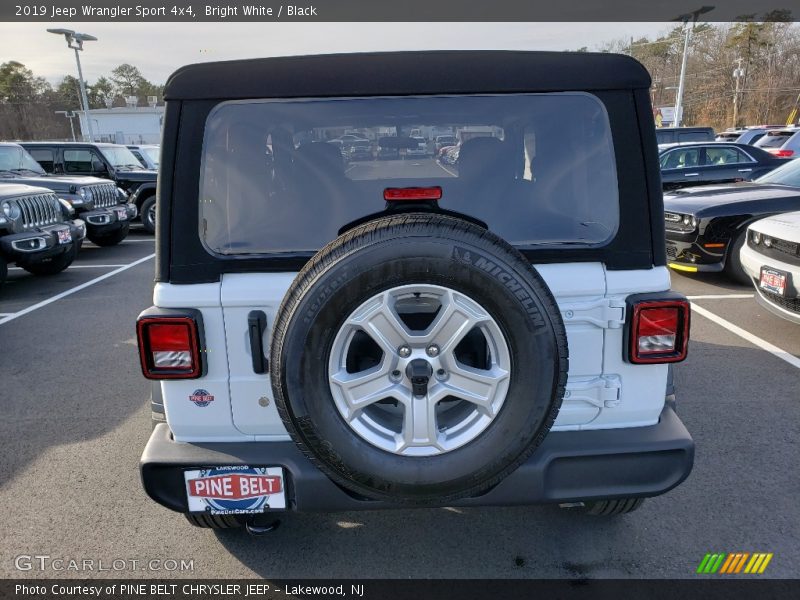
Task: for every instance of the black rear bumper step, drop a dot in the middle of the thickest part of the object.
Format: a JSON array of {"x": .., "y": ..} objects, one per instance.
[{"x": 569, "y": 466}]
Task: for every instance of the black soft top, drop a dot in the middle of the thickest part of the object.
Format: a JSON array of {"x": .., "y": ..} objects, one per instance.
[{"x": 401, "y": 73}]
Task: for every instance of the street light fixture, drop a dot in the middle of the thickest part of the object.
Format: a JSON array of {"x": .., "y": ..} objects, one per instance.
[
  {"x": 75, "y": 41},
  {"x": 69, "y": 115},
  {"x": 693, "y": 16}
]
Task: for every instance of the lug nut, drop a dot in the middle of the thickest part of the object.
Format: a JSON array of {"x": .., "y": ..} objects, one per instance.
[
  {"x": 432, "y": 350},
  {"x": 404, "y": 351},
  {"x": 396, "y": 375},
  {"x": 441, "y": 374}
]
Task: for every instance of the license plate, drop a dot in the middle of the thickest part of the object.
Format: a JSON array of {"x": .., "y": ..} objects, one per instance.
[
  {"x": 64, "y": 236},
  {"x": 235, "y": 490},
  {"x": 773, "y": 281},
  {"x": 122, "y": 214}
]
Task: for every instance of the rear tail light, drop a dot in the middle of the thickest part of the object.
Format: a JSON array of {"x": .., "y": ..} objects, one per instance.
[
  {"x": 412, "y": 193},
  {"x": 658, "y": 330},
  {"x": 169, "y": 347},
  {"x": 784, "y": 153}
]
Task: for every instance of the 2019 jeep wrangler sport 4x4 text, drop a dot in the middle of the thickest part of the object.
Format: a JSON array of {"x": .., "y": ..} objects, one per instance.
[{"x": 331, "y": 335}]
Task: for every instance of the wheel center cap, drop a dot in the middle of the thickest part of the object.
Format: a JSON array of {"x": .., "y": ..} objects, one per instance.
[{"x": 419, "y": 372}]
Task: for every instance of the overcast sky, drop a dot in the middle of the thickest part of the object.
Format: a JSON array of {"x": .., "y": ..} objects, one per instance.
[{"x": 160, "y": 48}]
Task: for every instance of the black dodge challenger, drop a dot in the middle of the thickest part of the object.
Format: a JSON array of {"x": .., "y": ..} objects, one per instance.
[{"x": 706, "y": 226}]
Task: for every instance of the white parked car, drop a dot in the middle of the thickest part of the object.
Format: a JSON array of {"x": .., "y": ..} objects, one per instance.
[
  {"x": 417, "y": 147},
  {"x": 148, "y": 155},
  {"x": 771, "y": 258}
]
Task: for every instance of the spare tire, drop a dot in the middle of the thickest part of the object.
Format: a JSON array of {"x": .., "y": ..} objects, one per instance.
[{"x": 418, "y": 358}]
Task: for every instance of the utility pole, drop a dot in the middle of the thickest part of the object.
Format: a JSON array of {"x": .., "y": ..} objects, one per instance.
[
  {"x": 686, "y": 18},
  {"x": 738, "y": 75},
  {"x": 679, "y": 99}
]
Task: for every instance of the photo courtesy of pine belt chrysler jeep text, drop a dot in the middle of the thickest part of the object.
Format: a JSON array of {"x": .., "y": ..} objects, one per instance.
[{"x": 393, "y": 331}]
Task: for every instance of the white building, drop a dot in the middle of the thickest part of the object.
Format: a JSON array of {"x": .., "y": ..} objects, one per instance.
[{"x": 125, "y": 125}]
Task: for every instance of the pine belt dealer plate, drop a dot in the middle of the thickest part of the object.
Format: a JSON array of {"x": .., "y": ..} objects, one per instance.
[
  {"x": 235, "y": 490},
  {"x": 773, "y": 281},
  {"x": 64, "y": 236},
  {"x": 122, "y": 214}
]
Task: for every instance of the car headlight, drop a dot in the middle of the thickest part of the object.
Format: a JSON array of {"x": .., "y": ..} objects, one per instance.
[
  {"x": 688, "y": 221},
  {"x": 11, "y": 211},
  {"x": 85, "y": 194},
  {"x": 767, "y": 241},
  {"x": 756, "y": 237}
]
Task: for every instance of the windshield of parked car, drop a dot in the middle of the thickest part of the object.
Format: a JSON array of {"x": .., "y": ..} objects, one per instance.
[
  {"x": 15, "y": 159},
  {"x": 538, "y": 169},
  {"x": 788, "y": 174},
  {"x": 152, "y": 153},
  {"x": 120, "y": 157}
]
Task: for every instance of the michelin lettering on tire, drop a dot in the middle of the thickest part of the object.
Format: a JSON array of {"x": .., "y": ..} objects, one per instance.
[{"x": 473, "y": 258}]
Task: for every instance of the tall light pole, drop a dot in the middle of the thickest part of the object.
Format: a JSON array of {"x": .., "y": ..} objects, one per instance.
[
  {"x": 75, "y": 41},
  {"x": 70, "y": 115},
  {"x": 738, "y": 74},
  {"x": 686, "y": 18}
]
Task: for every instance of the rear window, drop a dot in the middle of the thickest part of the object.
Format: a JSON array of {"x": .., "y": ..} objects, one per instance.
[
  {"x": 665, "y": 137},
  {"x": 538, "y": 169},
  {"x": 694, "y": 136},
  {"x": 773, "y": 139}
]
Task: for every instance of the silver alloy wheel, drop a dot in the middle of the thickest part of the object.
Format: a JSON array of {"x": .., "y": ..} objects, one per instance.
[
  {"x": 151, "y": 215},
  {"x": 458, "y": 401}
]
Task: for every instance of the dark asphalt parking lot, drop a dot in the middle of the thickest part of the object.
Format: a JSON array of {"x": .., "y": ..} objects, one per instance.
[{"x": 78, "y": 418}]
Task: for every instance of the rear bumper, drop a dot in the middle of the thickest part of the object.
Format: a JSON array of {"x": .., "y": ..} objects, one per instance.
[{"x": 569, "y": 466}]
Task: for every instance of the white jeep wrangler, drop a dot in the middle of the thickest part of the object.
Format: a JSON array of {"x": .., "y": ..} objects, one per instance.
[{"x": 392, "y": 331}]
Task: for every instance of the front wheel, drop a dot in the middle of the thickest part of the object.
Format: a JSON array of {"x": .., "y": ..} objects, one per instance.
[
  {"x": 733, "y": 266},
  {"x": 148, "y": 213},
  {"x": 55, "y": 265},
  {"x": 111, "y": 239}
]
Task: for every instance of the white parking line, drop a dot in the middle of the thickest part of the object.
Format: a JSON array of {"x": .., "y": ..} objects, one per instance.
[
  {"x": 5, "y": 314},
  {"x": 745, "y": 335},
  {"x": 445, "y": 169},
  {"x": 77, "y": 267},
  {"x": 721, "y": 297},
  {"x": 71, "y": 291}
]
